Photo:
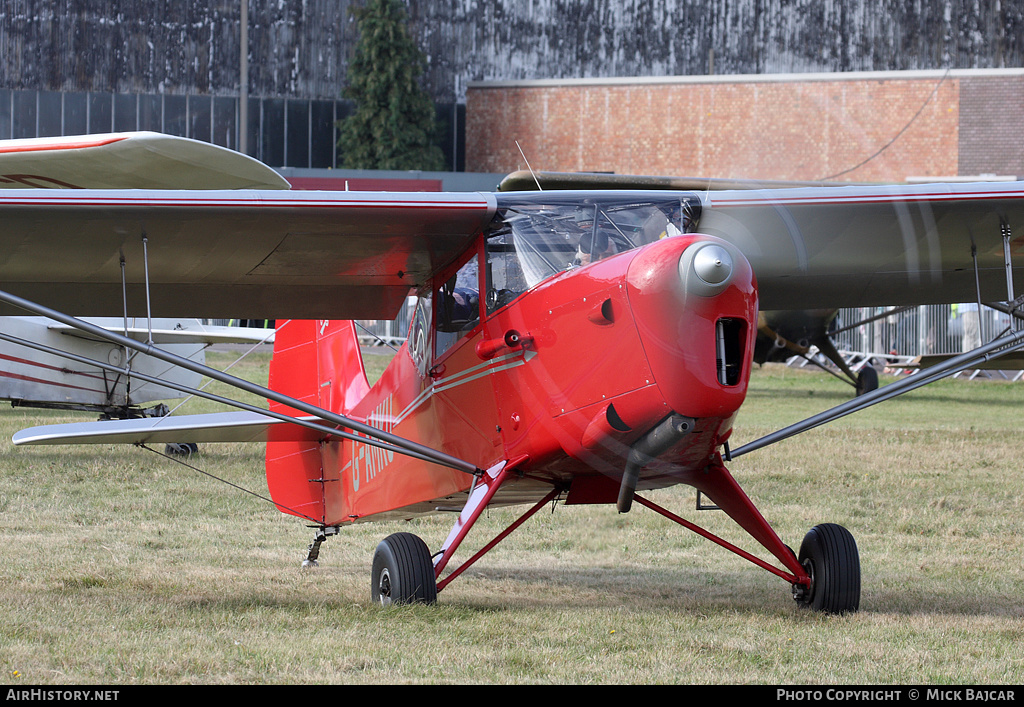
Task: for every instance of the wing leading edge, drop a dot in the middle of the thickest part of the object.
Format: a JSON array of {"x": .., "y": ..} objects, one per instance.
[
  {"x": 241, "y": 254},
  {"x": 873, "y": 245}
]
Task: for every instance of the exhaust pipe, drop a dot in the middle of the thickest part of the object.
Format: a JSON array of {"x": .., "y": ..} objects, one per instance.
[{"x": 648, "y": 448}]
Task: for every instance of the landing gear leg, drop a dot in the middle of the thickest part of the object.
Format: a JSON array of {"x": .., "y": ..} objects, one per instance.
[
  {"x": 824, "y": 576},
  {"x": 829, "y": 554}
]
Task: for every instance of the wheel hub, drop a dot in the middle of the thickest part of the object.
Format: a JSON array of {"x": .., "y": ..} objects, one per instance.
[
  {"x": 384, "y": 586},
  {"x": 802, "y": 593}
]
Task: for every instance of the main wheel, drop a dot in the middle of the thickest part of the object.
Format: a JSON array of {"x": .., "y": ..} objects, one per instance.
[
  {"x": 403, "y": 572},
  {"x": 182, "y": 449},
  {"x": 829, "y": 554},
  {"x": 867, "y": 380}
]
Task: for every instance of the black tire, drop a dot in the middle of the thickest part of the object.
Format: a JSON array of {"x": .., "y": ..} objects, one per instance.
[
  {"x": 867, "y": 380},
  {"x": 829, "y": 554},
  {"x": 403, "y": 572},
  {"x": 181, "y": 449}
]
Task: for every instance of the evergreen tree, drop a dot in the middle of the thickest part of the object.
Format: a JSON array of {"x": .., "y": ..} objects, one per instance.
[{"x": 393, "y": 126}]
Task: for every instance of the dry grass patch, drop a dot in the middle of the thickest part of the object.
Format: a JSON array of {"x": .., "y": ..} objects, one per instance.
[{"x": 119, "y": 566}]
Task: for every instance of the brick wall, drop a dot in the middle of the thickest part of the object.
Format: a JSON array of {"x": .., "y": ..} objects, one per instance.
[
  {"x": 883, "y": 126},
  {"x": 992, "y": 125}
]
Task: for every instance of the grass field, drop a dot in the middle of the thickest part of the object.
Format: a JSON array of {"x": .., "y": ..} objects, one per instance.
[{"x": 118, "y": 566}]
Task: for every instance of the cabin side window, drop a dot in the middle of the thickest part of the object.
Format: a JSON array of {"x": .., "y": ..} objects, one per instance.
[
  {"x": 458, "y": 306},
  {"x": 505, "y": 279}
]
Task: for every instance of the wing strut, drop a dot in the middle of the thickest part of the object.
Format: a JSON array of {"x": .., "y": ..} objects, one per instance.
[
  {"x": 1008, "y": 264},
  {"x": 1003, "y": 345},
  {"x": 405, "y": 446},
  {"x": 301, "y": 422}
]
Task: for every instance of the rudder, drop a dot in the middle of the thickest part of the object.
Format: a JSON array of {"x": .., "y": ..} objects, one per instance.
[{"x": 319, "y": 363}]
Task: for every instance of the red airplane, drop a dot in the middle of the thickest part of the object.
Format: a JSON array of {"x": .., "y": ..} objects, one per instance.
[{"x": 582, "y": 346}]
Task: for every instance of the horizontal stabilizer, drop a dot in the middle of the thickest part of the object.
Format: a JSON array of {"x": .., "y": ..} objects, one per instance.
[
  {"x": 198, "y": 335},
  {"x": 213, "y": 427}
]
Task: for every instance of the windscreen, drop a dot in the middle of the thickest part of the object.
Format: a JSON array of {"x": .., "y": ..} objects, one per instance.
[{"x": 545, "y": 234}]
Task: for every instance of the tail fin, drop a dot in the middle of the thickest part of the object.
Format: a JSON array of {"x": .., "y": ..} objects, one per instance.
[{"x": 317, "y": 362}]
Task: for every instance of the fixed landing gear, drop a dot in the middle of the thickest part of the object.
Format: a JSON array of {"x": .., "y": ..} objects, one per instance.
[
  {"x": 829, "y": 554},
  {"x": 403, "y": 572},
  {"x": 825, "y": 574}
]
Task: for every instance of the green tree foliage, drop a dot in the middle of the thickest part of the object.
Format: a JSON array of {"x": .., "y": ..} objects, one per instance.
[{"x": 393, "y": 126}]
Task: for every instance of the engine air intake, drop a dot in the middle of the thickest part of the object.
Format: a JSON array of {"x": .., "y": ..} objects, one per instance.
[{"x": 729, "y": 354}]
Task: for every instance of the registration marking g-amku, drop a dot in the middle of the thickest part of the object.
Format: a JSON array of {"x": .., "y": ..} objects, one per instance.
[{"x": 378, "y": 462}]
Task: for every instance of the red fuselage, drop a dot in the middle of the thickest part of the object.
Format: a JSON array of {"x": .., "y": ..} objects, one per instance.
[{"x": 564, "y": 378}]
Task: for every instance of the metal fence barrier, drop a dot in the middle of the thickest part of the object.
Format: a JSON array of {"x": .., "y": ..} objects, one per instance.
[{"x": 916, "y": 331}]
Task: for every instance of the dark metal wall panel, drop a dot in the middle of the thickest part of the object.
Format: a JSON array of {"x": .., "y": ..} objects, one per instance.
[{"x": 299, "y": 48}]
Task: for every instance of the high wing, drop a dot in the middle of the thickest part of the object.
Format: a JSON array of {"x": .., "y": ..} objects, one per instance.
[
  {"x": 158, "y": 224},
  {"x": 253, "y": 254},
  {"x": 824, "y": 245},
  {"x": 274, "y": 254},
  {"x": 139, "y": 160},
  {"x": 873, "y": 245}
]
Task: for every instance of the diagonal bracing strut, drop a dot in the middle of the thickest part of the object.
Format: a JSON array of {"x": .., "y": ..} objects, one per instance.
[
  {"x": 405, "y": 445},
  {"x": 301, "y": 422},
  {"x": 971, "y": 359}
]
